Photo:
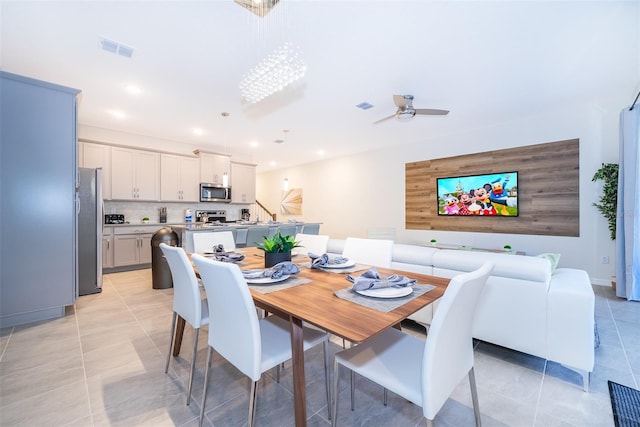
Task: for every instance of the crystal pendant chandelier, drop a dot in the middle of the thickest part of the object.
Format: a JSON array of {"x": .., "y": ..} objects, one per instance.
[
  {"x": 278, "y": 70},
  {"x": 259, "y": 7}
]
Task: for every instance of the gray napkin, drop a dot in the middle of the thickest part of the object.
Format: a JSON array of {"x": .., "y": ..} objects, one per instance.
[
  {"x": 219, "y": 254},
  {"x": 228, "y": 256},
  {"x": 275, "y": 272},
  {"x": 322, "y": 260},
  {"x": 370, "y": 279}
]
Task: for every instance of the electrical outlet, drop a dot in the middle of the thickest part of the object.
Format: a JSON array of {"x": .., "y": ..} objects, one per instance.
[{"x": 605, "y": 259}]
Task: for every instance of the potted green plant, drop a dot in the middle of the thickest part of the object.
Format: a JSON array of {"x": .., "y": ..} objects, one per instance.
[
  {"x": 608, "y": 173},
  {"x": 507, "y": 248},
  {"x": 145, "y": 219},
  {"x": 433, "y": 242},
  {"x": 608, "y": 205},
  {"x": 277, "y": 248}
]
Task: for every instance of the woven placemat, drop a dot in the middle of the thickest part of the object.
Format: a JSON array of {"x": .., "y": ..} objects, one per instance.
[
  {"x": 353, "y": 269},
  {"x": 382, "y": 304},
  {"x": 625, "y": 403},
  {"x": 286, "y": 284}
]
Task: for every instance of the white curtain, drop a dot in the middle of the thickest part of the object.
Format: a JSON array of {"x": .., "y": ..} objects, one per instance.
[{"x": 628, "y": 216}]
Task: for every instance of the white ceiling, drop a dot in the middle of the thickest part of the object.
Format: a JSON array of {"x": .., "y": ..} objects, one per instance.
[{"x": 487, "y": 62}]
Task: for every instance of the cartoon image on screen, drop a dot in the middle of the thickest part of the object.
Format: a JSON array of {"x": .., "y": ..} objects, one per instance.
[{"x": 494, "y": 194}]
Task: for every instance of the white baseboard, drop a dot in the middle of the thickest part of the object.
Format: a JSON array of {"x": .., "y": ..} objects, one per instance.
[{"x": 601, "y": 282}]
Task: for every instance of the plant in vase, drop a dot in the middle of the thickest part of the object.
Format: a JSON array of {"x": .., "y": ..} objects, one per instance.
[
  {"x": 608, "y": 205},
  {"x": 277, "y": 248},
  {"x": 433, "y": 242},
  {"x": 507, "y": 248},
  {"x": 145, "y": 219},
  {"x": 608, "y": 202}
]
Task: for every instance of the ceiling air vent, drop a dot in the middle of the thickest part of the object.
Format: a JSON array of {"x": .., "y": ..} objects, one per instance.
[
  {"x": 364, "y": 105},
  {"x": 117, "y": 48}
]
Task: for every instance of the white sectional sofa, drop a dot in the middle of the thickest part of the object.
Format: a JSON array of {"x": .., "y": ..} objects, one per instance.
[{"x": 525, "y": 305}]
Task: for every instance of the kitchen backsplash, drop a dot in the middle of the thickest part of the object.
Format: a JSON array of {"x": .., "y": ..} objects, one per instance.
[{"x": 134, "y": 211}]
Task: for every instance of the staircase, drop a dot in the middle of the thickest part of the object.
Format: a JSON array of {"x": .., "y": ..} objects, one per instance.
[{"x": 263, "y": 213}]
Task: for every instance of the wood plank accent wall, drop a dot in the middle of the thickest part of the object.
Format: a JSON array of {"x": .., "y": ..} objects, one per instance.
[{"x": 548, "y": 190}]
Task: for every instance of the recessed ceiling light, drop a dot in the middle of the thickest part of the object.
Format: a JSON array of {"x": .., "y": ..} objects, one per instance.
[
  {"x": 320, "y": 152},
  {"x": 133, "y": 89},
  {"x": 273, "y": 163},
  {"x": 118, "y": 114},
  {"x": 254, "y": 144},
  {"x": 198, "y": 131}
]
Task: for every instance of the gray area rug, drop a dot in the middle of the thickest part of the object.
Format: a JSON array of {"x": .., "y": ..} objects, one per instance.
[{"x": 625, "y": 402}]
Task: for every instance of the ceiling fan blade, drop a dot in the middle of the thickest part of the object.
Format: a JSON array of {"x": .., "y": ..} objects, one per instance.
[
  {"x": 386, "y": 118},
  {"x": 401, "y": 100},
  {"x": 431, "y": 112}
]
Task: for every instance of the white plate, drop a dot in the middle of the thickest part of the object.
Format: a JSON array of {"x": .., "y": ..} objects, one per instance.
[
  {"x": 390, "y": 292},
  {"x": 267, "y": 280},
  {"x": 347, "y": 264}
]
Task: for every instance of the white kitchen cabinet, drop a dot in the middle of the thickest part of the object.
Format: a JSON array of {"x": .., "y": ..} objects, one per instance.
[
  {"x": 243, "y": 183},
  {"x": 131, "y": 249},
  {"x": 213, "y": 167},
  {"x": 107, "y": 247},
  {"x": 97, "y": 156},
  {"x": 126, "y": 250},
  {"x": 132, "y": 245},
  {"x": 135, "y": 174},
  {"x": 179, "y": 178}
]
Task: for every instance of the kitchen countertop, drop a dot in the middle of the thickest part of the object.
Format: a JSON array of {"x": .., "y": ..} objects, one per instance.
[
  {"x": 198, "y": 226},
  {"x": 151, "y": 224}
]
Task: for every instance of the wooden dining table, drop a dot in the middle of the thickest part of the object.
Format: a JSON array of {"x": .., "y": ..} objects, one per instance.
[{"x": 316, "y": 303}]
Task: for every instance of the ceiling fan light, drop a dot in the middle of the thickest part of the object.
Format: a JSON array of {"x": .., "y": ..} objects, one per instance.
[{"x": 405, "y": 114}]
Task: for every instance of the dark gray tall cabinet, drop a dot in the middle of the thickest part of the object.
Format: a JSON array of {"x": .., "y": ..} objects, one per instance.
[{"x": 38, "y": 258}]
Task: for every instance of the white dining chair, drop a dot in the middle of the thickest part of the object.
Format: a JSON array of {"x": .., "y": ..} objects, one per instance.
[
  {"x": 204, "y": 242},
  {"x": 187, "y": 302},
  {"x": 250, "y": 344},
  {"x": 375, "y": 252},
  {"x": 314, "y": 243},
  {"x": 424, "y": 372}
]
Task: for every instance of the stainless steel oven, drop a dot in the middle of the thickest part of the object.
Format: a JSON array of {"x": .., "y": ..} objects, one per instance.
[{"x": 214, "y": 193}]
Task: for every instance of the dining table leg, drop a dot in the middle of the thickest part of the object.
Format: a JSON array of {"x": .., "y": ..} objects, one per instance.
[
  {"x": 177, "y": 343},
  {"x": 299, "y": 383}
]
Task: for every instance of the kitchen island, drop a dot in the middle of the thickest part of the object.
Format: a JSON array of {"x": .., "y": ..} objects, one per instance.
[{"x": 185, "y": 231}]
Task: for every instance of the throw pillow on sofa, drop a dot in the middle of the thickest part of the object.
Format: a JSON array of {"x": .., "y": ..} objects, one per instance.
[{"x": 553, "y": 259}]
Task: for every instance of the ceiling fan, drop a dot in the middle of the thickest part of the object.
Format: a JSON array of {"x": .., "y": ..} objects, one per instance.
[{"x": 407, "y": 111}]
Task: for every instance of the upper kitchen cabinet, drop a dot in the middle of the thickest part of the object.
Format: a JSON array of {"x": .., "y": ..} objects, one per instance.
[
  {"x": 243, "y": 183},
  {"x": 97, "y": 156},
  {"x": 213, "y": 167},
  {"x": 135, "y": 174},
  {"x": 179, "y": 180}
]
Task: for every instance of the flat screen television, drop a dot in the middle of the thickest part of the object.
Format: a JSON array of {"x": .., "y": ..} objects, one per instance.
[{"x": 493, "y": 194}]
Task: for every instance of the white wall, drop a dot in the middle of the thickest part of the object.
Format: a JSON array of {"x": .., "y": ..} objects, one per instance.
[
  {"x": 150, "y": 143},
  {"x": 351, "y": 194}
]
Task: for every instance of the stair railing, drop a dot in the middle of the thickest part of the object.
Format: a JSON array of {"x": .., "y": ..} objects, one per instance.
[{"x": 262, "y": 211}]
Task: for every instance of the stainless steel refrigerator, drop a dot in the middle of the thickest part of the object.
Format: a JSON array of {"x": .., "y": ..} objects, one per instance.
[{"x": 90, "y": 223}]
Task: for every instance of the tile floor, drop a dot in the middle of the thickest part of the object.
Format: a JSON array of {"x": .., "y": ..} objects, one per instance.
[{"x": 102, "y": 364}]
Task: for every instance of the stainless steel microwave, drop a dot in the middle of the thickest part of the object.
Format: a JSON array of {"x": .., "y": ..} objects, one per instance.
[{"x": 214, "y": 193}]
